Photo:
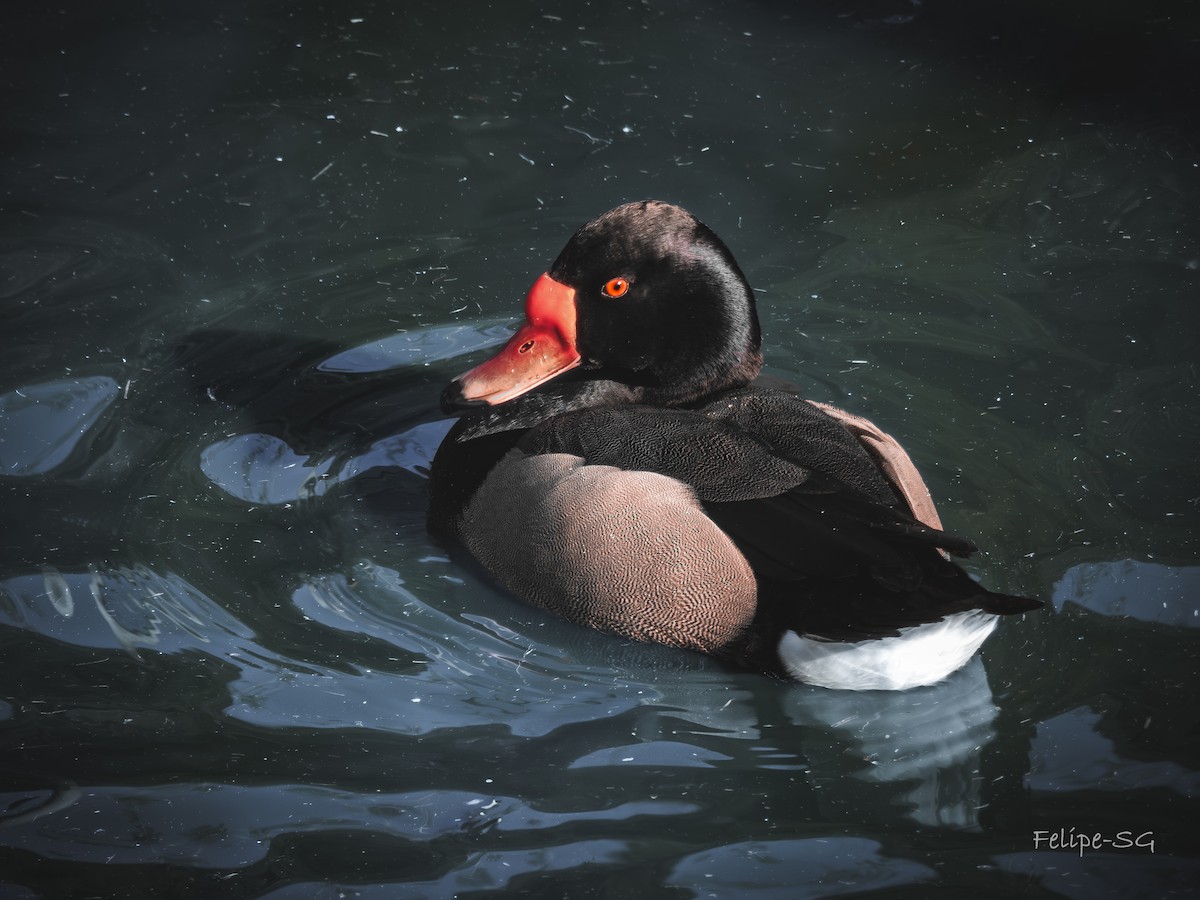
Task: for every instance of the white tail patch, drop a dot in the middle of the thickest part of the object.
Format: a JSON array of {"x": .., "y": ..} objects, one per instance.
[{"x": 921, "y": 655}]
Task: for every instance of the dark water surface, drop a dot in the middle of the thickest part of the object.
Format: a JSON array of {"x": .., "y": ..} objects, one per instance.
[{"x": 244, "y": 245}]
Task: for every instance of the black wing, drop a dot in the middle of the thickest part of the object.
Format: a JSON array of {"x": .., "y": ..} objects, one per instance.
[{"x": 801, "y": 498}]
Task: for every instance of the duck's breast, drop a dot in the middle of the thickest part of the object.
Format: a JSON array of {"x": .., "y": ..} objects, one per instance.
[{"x": 629, "y": 552}]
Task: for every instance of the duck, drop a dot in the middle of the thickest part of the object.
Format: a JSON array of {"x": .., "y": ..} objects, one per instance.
[{"x": 622, "y": 462}]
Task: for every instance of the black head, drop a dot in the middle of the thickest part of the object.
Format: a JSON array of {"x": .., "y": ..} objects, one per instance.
[
  {"x": 644, "y": 296},
  {"x": 661, "y": 302}
]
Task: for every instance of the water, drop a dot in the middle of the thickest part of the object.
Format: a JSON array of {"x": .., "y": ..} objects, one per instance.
[{"x": 244, "y": 245}]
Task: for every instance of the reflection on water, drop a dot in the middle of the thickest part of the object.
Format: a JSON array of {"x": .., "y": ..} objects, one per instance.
[
  {"x": 423, "y": 346},
  {"x": 1070, "y": 754},
  {"x": 262, "y": 469},
  {"x": 41, "y": 424},
  {"x": 122, "y": 608},
  {"x": 235, "y": 664},
  {"x": 928, "y": 742},
  {"x": 129, "y": 825},
  {"x": 814, "y": 867},
  {"x": 1148, "y": 592}
]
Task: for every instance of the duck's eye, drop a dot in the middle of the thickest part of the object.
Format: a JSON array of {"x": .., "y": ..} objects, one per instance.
[{"x": 616, "y": 287}]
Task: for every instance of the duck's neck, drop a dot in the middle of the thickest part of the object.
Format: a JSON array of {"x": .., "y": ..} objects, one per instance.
[
  {"x": 546, "y": 402},
  {"x": 585, "y": 389},
  {"x": 742, "y": 370}
]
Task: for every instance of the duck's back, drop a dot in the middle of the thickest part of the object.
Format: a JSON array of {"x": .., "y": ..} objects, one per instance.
[{"x": 742, "y": 444}]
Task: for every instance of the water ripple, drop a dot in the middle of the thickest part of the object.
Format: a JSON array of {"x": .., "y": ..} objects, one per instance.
[{"x": 41, "y": 425}]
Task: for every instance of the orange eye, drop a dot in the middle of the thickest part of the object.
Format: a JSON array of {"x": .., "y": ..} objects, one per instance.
[{"x": 616, "y": 287}]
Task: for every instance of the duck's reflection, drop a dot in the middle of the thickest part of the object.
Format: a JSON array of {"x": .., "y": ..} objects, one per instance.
[
  {"x": 868, "y": 756},
  {"x": 926, "y": 742}
]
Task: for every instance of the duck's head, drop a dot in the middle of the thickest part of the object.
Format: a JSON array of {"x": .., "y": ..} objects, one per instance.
[{"x": 645, "y": 297}]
